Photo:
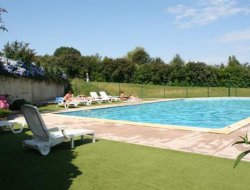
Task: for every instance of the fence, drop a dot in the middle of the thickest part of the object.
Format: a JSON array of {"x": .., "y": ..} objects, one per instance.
[{"x": 157, "y": 91}]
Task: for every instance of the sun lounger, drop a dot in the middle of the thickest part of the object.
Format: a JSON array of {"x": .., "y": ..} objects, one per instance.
[
  {"x": 8, "y": 125},
  {"x": 60, "y": 102},
  {"x": 96, "y": 98},
  {"x": 43, "y": 138},
  {"x": 110, "y": 98}
]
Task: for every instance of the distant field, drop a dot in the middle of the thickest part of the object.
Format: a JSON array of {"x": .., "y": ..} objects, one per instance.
[{"x": 156, "y": 91}]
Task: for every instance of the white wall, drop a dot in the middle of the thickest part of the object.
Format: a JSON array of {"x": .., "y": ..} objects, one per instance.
[{"x": 30, "y": 90}]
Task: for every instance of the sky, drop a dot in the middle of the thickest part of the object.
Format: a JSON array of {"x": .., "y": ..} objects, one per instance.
[{"x": 197, "y": 30}]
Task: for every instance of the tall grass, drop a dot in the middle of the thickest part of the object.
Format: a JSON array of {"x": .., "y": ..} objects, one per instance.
[{"x": 155, "y": 91}]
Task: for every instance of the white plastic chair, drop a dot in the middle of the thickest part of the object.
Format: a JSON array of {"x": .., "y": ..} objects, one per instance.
[
  {"x": 96, "y": 97},
  {"x": 67, "y": 104},
  {"x": 44, "y": 138},
  {"x": 8, "y": 125},
  {"x": 105, "y": 96}
]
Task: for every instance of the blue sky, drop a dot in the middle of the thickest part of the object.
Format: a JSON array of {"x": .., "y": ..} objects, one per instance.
[{"x": 198, "y": 30}]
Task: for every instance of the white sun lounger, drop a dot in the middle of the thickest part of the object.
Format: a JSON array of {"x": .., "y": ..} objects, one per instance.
[
  {"x": 96, "y": 97},
  {"x": 8, "y": 125},
  {"x": 110, "y": 98},
  {"x": 44, "y": 138}
]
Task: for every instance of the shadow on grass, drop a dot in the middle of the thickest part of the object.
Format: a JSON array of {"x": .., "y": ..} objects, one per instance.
[{"x": 27, "y": 169}]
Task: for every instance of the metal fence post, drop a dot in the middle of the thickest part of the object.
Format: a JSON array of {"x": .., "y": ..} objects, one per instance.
[
  {"x": 164, "y": 90},
  {"x": 141, "y": 90},
  {"x": 236, "y": 91},
  {"x": 97, "y": 88},
  {"x": 229, "y": 92},
  {"x": 186, "y": 92},
  {"x": 119, "y": 89},
  {"x": 208, "y": 92}
]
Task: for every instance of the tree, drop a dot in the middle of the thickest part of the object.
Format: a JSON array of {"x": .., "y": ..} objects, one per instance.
[
  {"x": 177, "y": 61},
  {"x": 108, "y": 68},
  {"x": 138, "y": 56},
  {"x": 144, "y": 74},
  {"x": 2, "y": 27},
  {"x": 68, "y": 58},
  {"x": 67, "y": 51},
  {"x": 197, "y": 74},
  {"x": 124, "y": 71},
  {"x": 234, "y": 73},
  {"x": 91, "y": 65},
  {"x": 160, "y": 71},
  {"x": 233, "y": 62},
  {"x": 19, "y": 51},
  {"x": 178, "y": 74}
]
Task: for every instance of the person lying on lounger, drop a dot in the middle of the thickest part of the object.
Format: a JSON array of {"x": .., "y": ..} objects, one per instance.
[
  {"x": 123, "y": 97},
  {"x": 128, "y": 98}
]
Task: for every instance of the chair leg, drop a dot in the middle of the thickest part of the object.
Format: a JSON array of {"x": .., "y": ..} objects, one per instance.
[
  {"x": 72, "y": 142},
  {"x": 93, "y": 140}
]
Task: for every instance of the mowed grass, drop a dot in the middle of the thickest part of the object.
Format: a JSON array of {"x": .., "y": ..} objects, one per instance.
[
  {"x": 156, "y": 91},
  {"x": 109, "y": 165}
]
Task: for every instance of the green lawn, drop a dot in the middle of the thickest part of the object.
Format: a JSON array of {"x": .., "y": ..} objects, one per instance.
[
  {"x": 50, "y": 108},
  {"x": 113, "y": 165}
]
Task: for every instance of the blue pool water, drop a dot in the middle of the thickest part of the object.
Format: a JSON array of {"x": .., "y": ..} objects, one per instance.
[{"x": 211, "y": 113}]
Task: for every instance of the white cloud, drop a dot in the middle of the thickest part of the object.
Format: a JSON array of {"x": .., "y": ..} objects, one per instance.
[
  {"x": 206, "y": 11},
  {"x": 236, "y": 36}
]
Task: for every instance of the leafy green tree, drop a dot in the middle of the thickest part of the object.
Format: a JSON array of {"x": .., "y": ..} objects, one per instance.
[
  {"x": 139, "y": 67},
  {"x": 108, "y": 68},
  {"x": 19, "y": 51},
  {"x": 233, "y": 62},
  {"x": 234, "y": 73},
  {"x": 2, "y": 27},
  {"x": 197, "y": 74},
  {"x": 177, "y": 61},
  {"x": 91, "y": 65},
  {"x": 177, "y": 75},
  {"x": 67, "y": 51},
  {"x": 124, "y": 71},
  {"x": 68, "y": 58},
  {"x": 144, "y": 74},
  {"x": 160, "y": 71},
  {"x": 138, "y": 56},
  {"x": 69, "y": 63}
]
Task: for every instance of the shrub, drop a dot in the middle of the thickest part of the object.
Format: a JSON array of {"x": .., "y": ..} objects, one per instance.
[
  {"x": 3, "y": 102},
  {"x": 16, "y": 105},
  {"x": 4, "y": 112}
]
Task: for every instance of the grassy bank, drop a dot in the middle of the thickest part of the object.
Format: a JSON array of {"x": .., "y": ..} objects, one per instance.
[{"x": 156, "y": 91}]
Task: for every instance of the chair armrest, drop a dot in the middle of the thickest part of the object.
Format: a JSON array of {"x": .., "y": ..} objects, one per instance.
[
  {"x": 64, "y": 134},
  {"x": 54, "y": 129}
]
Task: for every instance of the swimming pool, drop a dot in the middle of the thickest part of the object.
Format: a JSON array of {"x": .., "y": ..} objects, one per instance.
[{"x": 212, "y": 113}]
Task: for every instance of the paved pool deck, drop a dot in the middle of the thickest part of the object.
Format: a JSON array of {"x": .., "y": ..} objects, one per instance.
[{"x": 207, "y": 143}]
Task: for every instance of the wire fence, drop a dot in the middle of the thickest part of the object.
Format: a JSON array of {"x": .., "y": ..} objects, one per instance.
[{"x": 156, "y": 91}]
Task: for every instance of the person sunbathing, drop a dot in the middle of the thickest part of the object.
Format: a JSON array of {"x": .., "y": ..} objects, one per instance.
[
  {"x": 123, "y": 97},
  {"x": 133, "y": 98},
  {"x": 68, "y": 97}
]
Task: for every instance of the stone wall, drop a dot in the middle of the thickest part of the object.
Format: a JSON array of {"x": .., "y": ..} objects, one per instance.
[{"x": 30, "y": 90}]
